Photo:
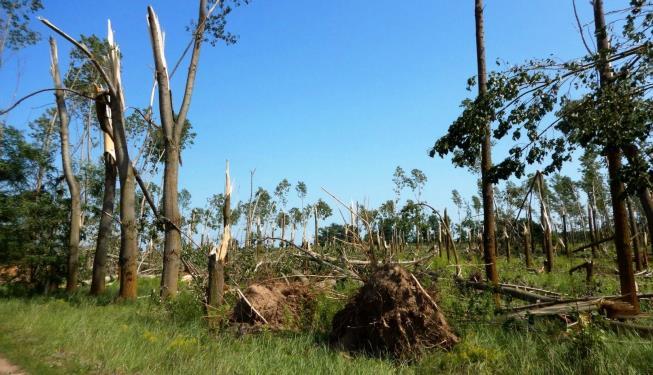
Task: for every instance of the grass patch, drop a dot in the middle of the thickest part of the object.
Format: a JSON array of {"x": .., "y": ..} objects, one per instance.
[{"x": 78, "y": 334}]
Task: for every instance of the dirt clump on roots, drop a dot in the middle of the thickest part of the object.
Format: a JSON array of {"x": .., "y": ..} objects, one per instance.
[
  {"x": 391, "y": 315},
  {"x": 276, "y": 305}
]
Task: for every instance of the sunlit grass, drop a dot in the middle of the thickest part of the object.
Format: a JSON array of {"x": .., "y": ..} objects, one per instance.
[{"x": 79, "y": 334}]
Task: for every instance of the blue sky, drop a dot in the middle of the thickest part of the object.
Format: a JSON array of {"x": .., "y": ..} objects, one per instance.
[{"x": 334, "y": 93}]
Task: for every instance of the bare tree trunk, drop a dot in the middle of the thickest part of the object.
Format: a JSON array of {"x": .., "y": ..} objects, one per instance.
[
  {"x": 45, "y": 150},
  {"x": 250, "y": 212},
  {"x": 69, "y": 174},
  {"x": 634, "y": 157},
  {"x": 617, "y": 191},
  {"x": 565, "y": 236},
  {"x": 128, "y": 230},
  {"x": 218, "y": 256},
  {"x": 507, "y": 240},
  {"x": 546, "y": 226},
  {"x": 527, "y": 246},
  {"x": 172, "y": 129},
  {"x": 106, "y": 220},
  {"x": 316, "y": 242},
  {"x": 633, "y": 227},
  {"x": 489, "y": 225}
]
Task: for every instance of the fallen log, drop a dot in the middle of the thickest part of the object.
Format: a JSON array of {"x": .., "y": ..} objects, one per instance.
[
  {"x": 623, "y": 327},
  {"x": 572, "y": 300},
  {"x": 521, "y": 294},
  {"x": 595, "y": 243},
  {"x": 589, "y": 268}
]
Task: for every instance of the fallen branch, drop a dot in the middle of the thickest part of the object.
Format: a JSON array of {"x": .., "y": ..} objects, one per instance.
[
  {"x": 621, "y": 327},
  {"x": 524, "y": 295},
  {"x": 317, "y": 257},
  {"x": 421, "y": 289},
  {"x": 593, "y": 244},
  {"x": 250, "y": 306}
]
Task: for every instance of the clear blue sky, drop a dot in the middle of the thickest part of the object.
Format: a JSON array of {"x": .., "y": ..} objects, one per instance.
[{"x": 334, "y": 93}]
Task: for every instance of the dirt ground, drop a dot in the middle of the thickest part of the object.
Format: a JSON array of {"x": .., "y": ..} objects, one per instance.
[{"x": 7, "y": 368}]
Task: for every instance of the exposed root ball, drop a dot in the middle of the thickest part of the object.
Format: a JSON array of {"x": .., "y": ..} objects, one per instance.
[
  {"x": 391, "y": 314},
  {"x": 280, "y": 305}
]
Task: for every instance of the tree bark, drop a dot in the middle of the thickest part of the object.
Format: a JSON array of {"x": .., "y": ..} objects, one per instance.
[
  {"x": 316, "y": 242},
  {"x": 634, "y": 157},
  {"x": 617, "y": 191},
  {"x": 527, "y": 246},
  {"x": 172, "y": 130},
  {"x": 45, "y": 150},
  {"x": 489, "y": 225},
  {"x": 546, "y": 226},
  {"x": 633, "y": 228},
  {"x": 128, "y": 230},
  {"x": 565, "y": 236},
  {"x": 73, "y": 185},
  {"x": 106, "y": 220}
]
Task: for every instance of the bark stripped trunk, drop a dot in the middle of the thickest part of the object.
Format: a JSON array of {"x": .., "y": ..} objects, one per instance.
[
  {"x": 71, "y": 181},
  {"x": 617, "y": 191},
  {"x": 489, "y": 225},
  {"x": 172, "y": 130},
  {"x": 106, "y": 221}
]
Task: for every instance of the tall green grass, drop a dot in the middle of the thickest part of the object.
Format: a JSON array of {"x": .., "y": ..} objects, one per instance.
[{"x": 79, "y": 334}]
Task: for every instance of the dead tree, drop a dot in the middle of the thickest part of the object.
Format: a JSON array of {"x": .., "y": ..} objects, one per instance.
[
  {"x": 126, "y": 172},
  {"x": 69, "y": 174},
  {"x": 173, "y": 126},
  {"x": 218, "y": 255},
  {"x": 106, "y": 219}
]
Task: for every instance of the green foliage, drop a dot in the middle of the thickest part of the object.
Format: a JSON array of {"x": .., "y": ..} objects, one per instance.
[
  {"x": 32, "y": 225},
  {"x": 15, "y": 17}
]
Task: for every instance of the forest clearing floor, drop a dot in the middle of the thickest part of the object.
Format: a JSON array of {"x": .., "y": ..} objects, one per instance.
[{"x": 64, "y": 334}]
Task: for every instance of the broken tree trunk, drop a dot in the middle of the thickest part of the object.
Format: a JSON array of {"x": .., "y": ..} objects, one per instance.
[
  {"x": 593, "y": 244},
  {"x": 126, "y": 174},
  {"x": 546, "y": 225},
  {"x": 218, "y": 255},
  {"x": 506, "y": 238},
  {"x": 511, "y": 291},
  {"x": 172, "y": 127},
  {"x": 589, "y": 269},
  {"x": 109, "y": 193}
]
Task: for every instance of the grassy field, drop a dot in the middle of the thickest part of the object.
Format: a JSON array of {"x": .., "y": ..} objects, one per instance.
[{"x": 78, "y": 334}]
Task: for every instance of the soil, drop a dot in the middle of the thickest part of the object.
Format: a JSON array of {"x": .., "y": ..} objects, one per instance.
[
  {"x": 392, "y": 315},
  {"x": 6, "y": 368},
  {"x": 283, "y": 305}
]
